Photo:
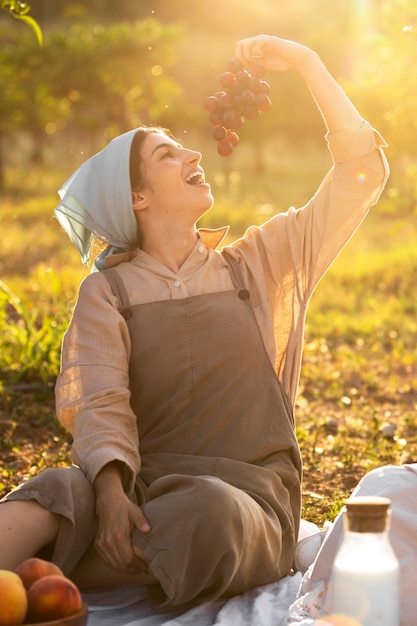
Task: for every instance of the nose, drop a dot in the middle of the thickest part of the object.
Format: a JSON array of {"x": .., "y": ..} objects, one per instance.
[{"x": 193, "y": 156}]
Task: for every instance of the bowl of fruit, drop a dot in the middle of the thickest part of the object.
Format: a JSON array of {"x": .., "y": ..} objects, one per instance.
[
  {"x": 37, "y": 593},
  {"x": 77, "y": 619}
]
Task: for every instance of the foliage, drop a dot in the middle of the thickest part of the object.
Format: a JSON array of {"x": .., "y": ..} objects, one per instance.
[
  {"x": 32, "y": 335},
  {"x": 20, "y": 10},
  {"x": 74, "y": 81}
]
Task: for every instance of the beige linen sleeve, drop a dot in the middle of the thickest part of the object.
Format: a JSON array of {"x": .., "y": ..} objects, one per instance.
[
  {"x": 304, "y": 242},
  {"x": 284, "y": 259},
  {"x": 318, "y": 232},
  {"x": 92, "y": 390}
]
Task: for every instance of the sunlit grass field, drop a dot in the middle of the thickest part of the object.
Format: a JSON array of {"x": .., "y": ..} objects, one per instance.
[{"x": 357, "y": 406}]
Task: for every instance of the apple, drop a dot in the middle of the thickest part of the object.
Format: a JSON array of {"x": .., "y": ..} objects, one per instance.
[
  {"x": 53, "y": 597},
  {"x": 13, "y": 599},
  {"x": 32, "y": 569}
]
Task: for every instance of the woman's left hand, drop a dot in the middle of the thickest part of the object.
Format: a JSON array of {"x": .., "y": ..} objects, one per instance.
[
  {"x": 279, "y": 54},
  {"x": 272, "y": 52}
]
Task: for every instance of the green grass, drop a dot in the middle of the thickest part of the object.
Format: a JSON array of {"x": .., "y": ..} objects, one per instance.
[{"x": 359, "y": 366}]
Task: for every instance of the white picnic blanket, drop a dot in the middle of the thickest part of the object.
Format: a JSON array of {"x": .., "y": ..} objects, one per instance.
[
  {"x": 264, "y": 606},
  {"x": 298, "y": 600}
]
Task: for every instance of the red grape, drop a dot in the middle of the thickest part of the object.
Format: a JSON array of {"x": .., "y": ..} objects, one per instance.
[
  {"x": 234, "y": 66},
  {"x": 233, "y": 138},
  {"x": 224, "y": 147},
  {"x": 238, "y": 104},
  {"x": 236, "y": 88},
  {"x": 257, "y": 70},
  {"x": 242, "y": 77},
  {"x": 215, "y": 117},
  {"x": 218, "y": 132},
  {"x": 227, "y": 79},
  {"x": 232, "y": 120},
  {"x": 263, "y": 102},
  {"x": 211, "y": 103},
  {"x": 226, "y": 101},
  {"x": 264, "y": 87},
  {"x": 251, "y": 112},
  {"x": 254, "y": 84},
  {"x": 247, "y": 97}
]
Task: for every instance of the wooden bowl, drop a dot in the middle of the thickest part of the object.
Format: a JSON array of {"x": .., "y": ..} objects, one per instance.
[{"x": 78, "y": 619}]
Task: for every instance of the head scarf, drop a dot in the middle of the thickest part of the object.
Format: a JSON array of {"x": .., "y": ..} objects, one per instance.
[{"x": 96, "y": 201}]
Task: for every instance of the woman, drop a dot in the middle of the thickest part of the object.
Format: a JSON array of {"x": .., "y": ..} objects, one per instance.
[{"x": 181, "y": 364}]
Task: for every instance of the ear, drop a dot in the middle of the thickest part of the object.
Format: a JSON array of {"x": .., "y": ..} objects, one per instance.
[{"x": 139, "y": 202}]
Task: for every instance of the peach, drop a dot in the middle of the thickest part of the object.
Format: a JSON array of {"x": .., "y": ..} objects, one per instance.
[
  {"x": 13, "y": 599},
  {"x": 34, "y": 568},
  {"x": 53, "y": 597}
]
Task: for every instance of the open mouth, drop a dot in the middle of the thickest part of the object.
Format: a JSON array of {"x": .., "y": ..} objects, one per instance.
[{"x": 196, "y": 178}]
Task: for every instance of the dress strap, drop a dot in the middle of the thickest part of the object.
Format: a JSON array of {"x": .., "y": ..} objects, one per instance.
[
  {"x": 117, "y": 286},
  {"x": 245, "y": 295},
  {"x": 235, "y": 273}
]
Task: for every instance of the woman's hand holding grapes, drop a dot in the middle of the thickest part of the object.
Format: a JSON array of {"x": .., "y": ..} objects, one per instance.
[{"x": 272, "y": 52}]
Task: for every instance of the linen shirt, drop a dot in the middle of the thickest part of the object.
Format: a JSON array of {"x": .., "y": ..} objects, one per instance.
[{"x": 281, "y": 263}]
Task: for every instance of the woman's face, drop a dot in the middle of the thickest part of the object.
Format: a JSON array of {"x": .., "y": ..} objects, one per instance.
[{"x": 174, "y": 180}]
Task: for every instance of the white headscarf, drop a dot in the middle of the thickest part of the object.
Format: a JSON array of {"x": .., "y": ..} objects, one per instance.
[{"x": 96, "y": 201}]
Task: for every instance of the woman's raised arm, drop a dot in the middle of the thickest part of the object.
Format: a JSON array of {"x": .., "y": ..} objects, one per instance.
[{"x": 281, "y": 54}]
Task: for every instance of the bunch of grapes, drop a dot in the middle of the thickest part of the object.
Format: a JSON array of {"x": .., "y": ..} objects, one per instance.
[{"x": 245, "y": 96}]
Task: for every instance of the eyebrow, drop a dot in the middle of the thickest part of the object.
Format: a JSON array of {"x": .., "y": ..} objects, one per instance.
[{"x": 165, "y": 145}]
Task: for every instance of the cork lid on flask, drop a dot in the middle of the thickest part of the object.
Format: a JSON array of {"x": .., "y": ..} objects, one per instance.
[{"x": 367, "y": 514}]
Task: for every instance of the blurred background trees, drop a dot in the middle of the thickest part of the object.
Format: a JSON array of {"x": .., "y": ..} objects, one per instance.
[
  {"x": 105, "y": 67},
  {"x": 86, "y": 81}
]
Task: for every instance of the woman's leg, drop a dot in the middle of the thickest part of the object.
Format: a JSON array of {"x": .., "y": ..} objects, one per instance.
[
  {"x": 208, "y": 540},
  {"x": 92, "y": 568},
  {"x": 53, "y": 510},
  {"x": 25, "y": 528}
]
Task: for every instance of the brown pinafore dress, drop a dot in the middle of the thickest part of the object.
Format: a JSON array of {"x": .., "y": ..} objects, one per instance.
[{"x": 220, "y": 465}]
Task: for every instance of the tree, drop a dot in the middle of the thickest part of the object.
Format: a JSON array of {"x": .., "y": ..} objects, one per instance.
[{"x": 99, "y": 79}]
